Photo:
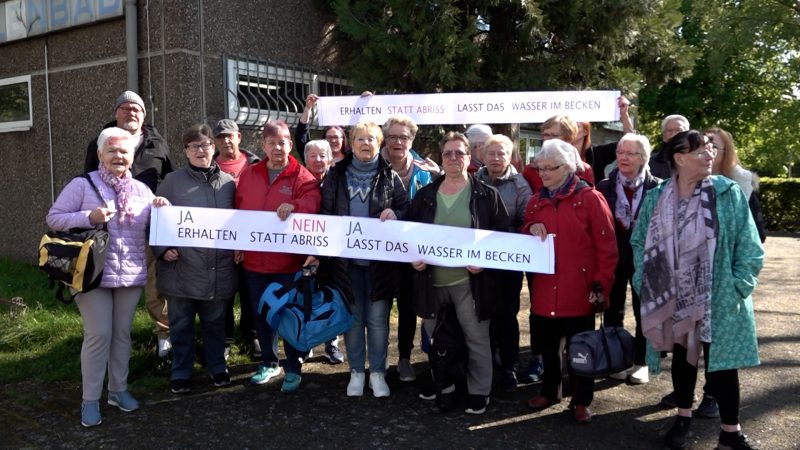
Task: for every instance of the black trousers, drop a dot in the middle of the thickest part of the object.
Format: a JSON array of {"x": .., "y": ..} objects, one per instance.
[
  {"x": 247, "y": 327},
  {"x": 723, "y": 385},
  {"x": 504, "y": 326},
  {"x": 549, "y": 331},
  {"x": 406, "y": 318},
  {"x": 615, "y": 314}
]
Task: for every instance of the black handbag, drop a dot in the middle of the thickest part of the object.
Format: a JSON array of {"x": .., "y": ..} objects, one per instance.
[{"x": 599, "y": 353}]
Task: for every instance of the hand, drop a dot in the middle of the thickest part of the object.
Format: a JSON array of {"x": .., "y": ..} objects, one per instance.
[
  {"x": 597, "y": 298},
  {"x": 238, "y": 256},
  {"x": 624, "y": 104},
  {"x": 101, "y": 215},
  {"x": 311, "y": 101},
  {"x": 428, "y": 165},
  {"x": 171, "y": 255},
  {"x": 474, "y": 270},
  {"x": 388, "y": 214},
  {"x": 284, "y": 210},
  {"x": 311, "y": 261},
  {"x": 158, "y": 202},
  {"x": 538, "y": 229},
  {"x": 419, "y": 266}
]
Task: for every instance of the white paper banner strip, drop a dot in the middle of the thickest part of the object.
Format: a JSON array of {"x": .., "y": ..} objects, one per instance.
[
  {"x": 478, "y": 107},
  {"x": 349, "y": 237}
]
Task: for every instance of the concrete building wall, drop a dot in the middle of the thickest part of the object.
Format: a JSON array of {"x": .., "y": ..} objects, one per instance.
[{"x": 86, "y": 71}]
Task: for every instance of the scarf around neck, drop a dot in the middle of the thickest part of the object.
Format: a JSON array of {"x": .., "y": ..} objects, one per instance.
[
  {"x": 625, "y": 212},
  {"x": 123, "y": 189},
  {"x": 678, "y": 270}
]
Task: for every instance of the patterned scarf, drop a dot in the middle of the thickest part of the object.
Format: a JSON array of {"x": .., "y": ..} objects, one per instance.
[
  {"x": 678, "y": 270},
  {"x": 122, "y": 187},
  {"x": 625, "y": 212}
]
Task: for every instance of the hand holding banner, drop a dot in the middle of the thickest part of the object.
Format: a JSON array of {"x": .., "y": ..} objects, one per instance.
[{"x": 349, "y": 237}]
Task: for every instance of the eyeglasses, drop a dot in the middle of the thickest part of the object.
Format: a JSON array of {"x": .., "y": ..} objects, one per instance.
[
  {"x": 628, "y": 155},
  {"x": 398, "y": 138},
  {"x": 454, "y": 154},
  {"x": 710, "y": 152},
  {"x": 549, "y": 169},
  {"x": 205, "y": 146},
  {"x": 365, "y": 139},
  {"x": 131, "y": 109}
]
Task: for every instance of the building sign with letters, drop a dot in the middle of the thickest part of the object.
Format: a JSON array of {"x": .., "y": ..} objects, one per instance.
[{"x": 20, "y": 19}]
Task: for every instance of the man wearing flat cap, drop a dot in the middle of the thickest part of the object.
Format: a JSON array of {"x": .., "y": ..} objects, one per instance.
[
  {"x": 151, "y": 163},
  {"x": 233, "y": 160}
]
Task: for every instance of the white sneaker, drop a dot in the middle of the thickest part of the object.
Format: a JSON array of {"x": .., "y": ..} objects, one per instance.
[
  {"x": 640, "y": 374},
  {"x": 164, "y": 346},
  {"x": 355, "y": 388},
  {"x": 623, "y": 375},
  {"x": 378, "y": 385},
  {"x": 405, "y": 370}
]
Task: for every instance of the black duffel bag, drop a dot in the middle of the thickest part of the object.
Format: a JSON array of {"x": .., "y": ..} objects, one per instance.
[{"x": 599, "y": 353}]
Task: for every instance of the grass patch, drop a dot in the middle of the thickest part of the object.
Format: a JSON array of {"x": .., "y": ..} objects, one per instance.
[{"x": 43, "y": 341}]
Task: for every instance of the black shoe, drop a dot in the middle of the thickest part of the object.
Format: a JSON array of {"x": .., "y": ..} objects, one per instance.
[
  {"x": 734, "y": 441},
  {"x": 678, "y": 435},
  {"x": 221, "y": 379},
  {"x": 180, "y": 386},
  {"x": 671, "y": 401},
  {"x": 429, "y": 393},
  {"x": 256, "y": 347},
  {"x": 708, "y": 408},
  {"x": 509, "y": 381},
  {"x": 477, "y": 404}
]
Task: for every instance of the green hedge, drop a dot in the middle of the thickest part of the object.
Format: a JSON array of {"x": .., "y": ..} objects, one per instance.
[{"x": 780, "y": 202}]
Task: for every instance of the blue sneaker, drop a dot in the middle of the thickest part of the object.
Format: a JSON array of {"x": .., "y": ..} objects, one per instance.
[
  {"x": 123, "y": 400},
  {"x": 90, "y": 414},
  {"x": 535, "y": 370},
  {"x": 291, "y": 382},
  {"x": 265, "y": 373}
]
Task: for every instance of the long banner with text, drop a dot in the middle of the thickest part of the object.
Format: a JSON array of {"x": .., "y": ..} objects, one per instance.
[
  {"x": 475, "y": 107},
  {"x": 349, "y": 237}
]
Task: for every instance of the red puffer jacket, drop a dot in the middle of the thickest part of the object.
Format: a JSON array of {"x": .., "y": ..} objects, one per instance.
[
  {"x": 585, "y": 249},
  {"x": 295, "y": 185}
]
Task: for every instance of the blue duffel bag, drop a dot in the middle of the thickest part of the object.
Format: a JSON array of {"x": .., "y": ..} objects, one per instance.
[{"x": 303, "y": 313}]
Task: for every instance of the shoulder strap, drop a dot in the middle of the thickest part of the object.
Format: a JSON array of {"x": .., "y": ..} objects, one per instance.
[{"x": 97, "y": 191}]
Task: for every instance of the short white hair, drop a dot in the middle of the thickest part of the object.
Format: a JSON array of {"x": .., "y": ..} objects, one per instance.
[
  {"x": 674, "y": 118},
  {"x": 478, "y": 133},
  {"x": 559, "y": 151},
  {"x": 321, "y": 144},
  {"x": 116, "y": 133},
  {"x": 641, "y": 141}
]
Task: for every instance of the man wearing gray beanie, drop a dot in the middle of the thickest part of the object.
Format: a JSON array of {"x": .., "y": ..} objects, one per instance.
[{"x": 151, "y": 163}]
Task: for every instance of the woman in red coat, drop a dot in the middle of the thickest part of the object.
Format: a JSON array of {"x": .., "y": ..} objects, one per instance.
[{"x": 564, "y": 303}]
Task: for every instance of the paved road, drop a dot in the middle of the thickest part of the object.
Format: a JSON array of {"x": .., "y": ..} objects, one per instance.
[{"x": 320, "y": 415}]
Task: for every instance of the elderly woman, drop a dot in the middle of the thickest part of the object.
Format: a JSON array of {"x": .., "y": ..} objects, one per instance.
[
  {"x": 565, "y": 129},
  {"x": 107, "y": 311},
  {"x": 335, "y": 135},
  {"x": 477, "y": 134},
  {"x": 459, "y": 199},
  {"x": 697, "y": 255},
  {"x": 624, "y": 190},
  {"x": 197, "y": 281},
  {"x": 727, "y": 163},
  {"x": 601, "y": 156},
  {"x": 515, "y": 193},
  {"x": 400, "y": 132},
  {"x": 364, "y": 185},
  {"x": 278, "y": 183},
  {"x": 564, "y": 303}
]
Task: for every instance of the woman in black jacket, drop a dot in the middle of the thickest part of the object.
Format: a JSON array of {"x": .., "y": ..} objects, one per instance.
[
  {"x": 624, "y": 190},
  {"x": 459, "y": 199}
]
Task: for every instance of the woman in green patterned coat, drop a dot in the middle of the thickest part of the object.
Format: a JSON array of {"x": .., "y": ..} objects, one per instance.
[{"x": 697, "y": 255}]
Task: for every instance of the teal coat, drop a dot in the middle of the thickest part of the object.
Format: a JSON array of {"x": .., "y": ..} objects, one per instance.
[{"x": 737, "y": 260}]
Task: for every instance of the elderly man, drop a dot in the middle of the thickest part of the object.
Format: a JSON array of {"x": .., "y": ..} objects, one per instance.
[
  {"x": 232, "y": 160},
  {"x": 477, "y": 134},
  {"x": 151, "y": 163},
  {"x": 670, "y": 126}
]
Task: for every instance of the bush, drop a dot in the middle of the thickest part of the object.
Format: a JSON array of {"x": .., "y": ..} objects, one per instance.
[{"x": 780, "y": 202}]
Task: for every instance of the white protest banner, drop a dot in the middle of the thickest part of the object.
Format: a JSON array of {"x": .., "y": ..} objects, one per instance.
[
  {"x": 349, "y": 237},
  {"x": 476, "y": 107}
]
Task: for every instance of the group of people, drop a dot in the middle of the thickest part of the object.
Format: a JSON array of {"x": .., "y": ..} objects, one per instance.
[{"x": 687, "y": 241}]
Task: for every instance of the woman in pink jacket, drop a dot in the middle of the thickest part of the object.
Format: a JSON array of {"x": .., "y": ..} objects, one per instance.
[{"x": 123, "y": 204}]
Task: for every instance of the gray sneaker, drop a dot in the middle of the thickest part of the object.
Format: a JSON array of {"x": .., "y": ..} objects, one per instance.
[{"x": 405, "y": 370}]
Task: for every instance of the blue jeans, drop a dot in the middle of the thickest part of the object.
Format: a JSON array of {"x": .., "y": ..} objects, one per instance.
[
  {"x": 370, "y": 317},
  {"x": 256, "y": 285},
  {"x": 182, "y": 312}
]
